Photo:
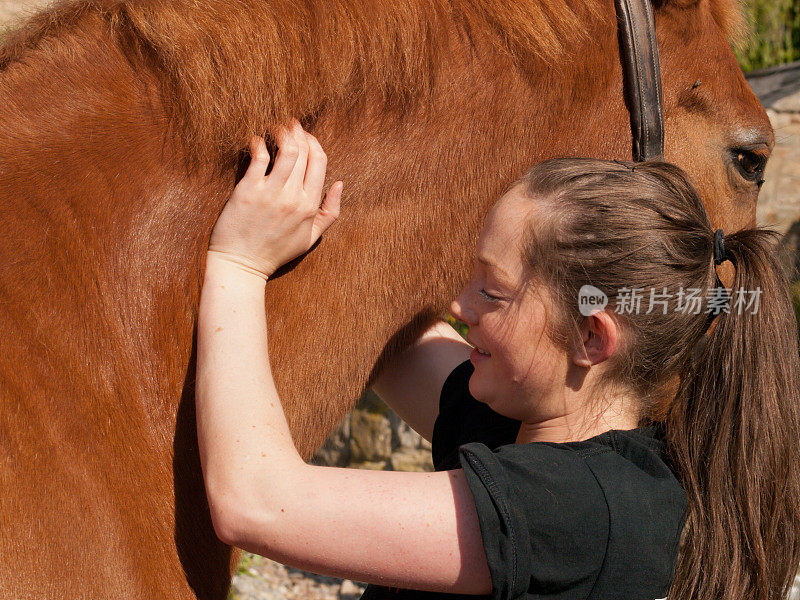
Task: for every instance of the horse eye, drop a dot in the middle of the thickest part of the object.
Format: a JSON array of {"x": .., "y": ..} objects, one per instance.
[{"x": 750, "y": 164}]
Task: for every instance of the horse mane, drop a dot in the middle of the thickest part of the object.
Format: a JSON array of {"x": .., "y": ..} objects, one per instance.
[{"x": 232, "y": 68}]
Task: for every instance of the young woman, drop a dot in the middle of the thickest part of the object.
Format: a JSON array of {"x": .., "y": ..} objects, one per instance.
[{"x": 576, "y": 444}]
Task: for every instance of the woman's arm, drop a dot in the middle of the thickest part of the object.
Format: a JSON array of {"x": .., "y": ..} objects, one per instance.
[
  {"x": 417, "y": 530},
  {"x": 412, "y": 382}
]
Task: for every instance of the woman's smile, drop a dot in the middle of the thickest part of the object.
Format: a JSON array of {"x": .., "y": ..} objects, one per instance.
[
  {"x": 478, "y": 356},
  {"x": 478, "y": 352}
]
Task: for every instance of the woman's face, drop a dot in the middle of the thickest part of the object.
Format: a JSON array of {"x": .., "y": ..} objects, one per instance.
[{"x": 516, "y": 364}]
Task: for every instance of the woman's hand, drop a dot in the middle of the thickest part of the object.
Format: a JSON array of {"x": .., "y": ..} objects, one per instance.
[{"x": 272, "y": 219}]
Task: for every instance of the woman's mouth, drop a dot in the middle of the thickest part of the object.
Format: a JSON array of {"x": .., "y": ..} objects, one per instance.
[{"x": 478, "y": 354}]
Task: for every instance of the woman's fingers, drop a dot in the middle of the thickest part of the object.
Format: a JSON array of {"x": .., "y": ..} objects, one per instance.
[
  {"x": 328, "y": 212},
  {"x": 315, "y": 172},
  {"x": 259, "y": 158},
  {"x": 286, "y": 159},
  {"x": 299, "y": 170}
]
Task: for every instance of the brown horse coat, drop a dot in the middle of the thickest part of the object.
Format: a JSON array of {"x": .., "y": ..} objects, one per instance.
[{"x": 121, "y": 125}]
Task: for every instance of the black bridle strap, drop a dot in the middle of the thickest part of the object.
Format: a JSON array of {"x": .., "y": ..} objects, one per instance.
[{"x": 642, "y": 77}]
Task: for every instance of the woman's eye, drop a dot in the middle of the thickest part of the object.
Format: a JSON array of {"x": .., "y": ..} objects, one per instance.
[{"x": 488, "y": 296}]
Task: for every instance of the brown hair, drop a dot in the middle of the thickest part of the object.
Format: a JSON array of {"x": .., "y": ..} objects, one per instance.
[{"x": 728, "y": 398}]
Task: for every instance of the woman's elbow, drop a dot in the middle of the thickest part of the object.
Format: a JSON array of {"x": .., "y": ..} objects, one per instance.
[
  {"x": 247, "y": 521},
  {"x": 233, "y": 517},
  {"x": 225, "y": 517}
]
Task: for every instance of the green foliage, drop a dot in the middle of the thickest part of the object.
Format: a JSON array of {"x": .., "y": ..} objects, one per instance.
[
  {"x": 774, "y": 34},
  {"x": 247, "y": 561},
  {"x": 460, "y": 327}
]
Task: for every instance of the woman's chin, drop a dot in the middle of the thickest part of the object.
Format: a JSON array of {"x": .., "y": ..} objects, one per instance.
[{"x": 477, "y": 388}]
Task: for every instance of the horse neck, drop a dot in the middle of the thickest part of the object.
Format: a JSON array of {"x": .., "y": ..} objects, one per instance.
[
  {"x": 97, "y": 169},
  {"x": 105, "y": 226}
]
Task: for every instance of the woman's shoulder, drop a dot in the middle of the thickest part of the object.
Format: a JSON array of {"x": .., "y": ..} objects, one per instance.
[
  {"x": 628, "y": 457},
  {"x": 631, "y": 468}
]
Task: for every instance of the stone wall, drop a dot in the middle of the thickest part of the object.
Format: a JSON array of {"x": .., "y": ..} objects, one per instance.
[
  {"x": 372, "y": 436},
  {"x": 779, "y": 91}
]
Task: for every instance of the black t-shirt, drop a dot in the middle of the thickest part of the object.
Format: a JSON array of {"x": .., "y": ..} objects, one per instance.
[{"x": 598, "y": 519}]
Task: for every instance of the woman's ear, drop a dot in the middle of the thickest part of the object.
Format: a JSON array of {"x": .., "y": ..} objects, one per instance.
[{"x": 599, "y": 337}]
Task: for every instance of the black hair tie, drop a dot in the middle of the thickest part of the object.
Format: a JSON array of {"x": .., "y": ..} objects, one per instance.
[
  {"x": 719, "y": 247},
  {"x": 719, "y": 257}
]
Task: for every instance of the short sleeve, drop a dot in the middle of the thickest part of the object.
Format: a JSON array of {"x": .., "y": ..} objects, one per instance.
[
  {"x": 543, "y": 517},
  {"x": 463, "y": 419}
]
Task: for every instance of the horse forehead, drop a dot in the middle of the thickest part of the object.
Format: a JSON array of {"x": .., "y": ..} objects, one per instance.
[
  {"x": 720, "y": 94},
  {"x": 700, "y": 74}
]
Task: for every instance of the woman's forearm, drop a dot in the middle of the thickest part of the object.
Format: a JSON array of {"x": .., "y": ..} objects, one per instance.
[{"x": 243, "y": 435}]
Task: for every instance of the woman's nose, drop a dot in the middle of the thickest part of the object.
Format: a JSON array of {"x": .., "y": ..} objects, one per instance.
[{"x": 459, "y": 308}]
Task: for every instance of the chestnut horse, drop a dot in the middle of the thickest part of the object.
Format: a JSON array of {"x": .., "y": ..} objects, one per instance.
[{"x": 121, "y": 132}]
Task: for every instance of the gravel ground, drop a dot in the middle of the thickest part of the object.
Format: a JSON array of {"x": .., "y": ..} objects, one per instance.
[{"x": 259, "y": 578}]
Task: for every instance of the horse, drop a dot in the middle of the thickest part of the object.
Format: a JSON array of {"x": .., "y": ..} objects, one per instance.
[{"x": 122, "y": 132}]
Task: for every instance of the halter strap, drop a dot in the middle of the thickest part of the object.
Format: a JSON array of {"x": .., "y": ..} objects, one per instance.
[{"x": 641, "y": 76}]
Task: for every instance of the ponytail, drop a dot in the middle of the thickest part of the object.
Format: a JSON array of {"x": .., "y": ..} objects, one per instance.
[{"x": 734, "y": 432}]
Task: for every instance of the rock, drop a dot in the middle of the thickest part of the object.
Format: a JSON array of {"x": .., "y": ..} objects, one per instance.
[
  {"x": 779, "y": 199},
  {"x": 778, "y": 89},
  {"x": 370, "y": 437},
  {"x": 372, "y": 465},
  {"x": 402, "y": 434},
  {"x": 791, "y": 242},
  {"x": 252, "y": 588},
  {"x": 350, "y": 591},
  {"x": 259, "y": 578},
  {"x": 412, "y": 459},
  {"x": 335, "y": 452}
]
